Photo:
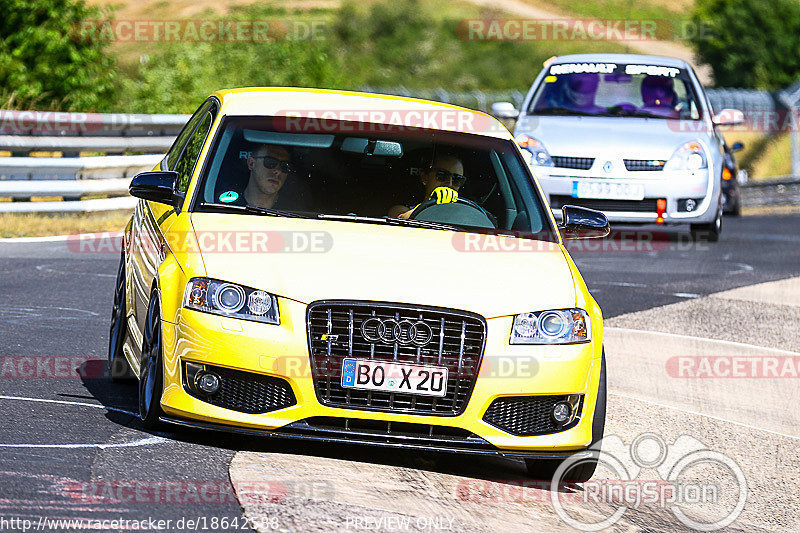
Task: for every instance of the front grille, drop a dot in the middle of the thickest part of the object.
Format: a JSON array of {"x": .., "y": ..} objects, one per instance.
[
  {"x": 648, "y": 205},
  {"x": 457, "y": 343},
  {"x": 526, "y": 416},
  {"x": 580, "y": 163},
  {"x": 247, "y": 392},
  {"x": 637, "y": 165}
]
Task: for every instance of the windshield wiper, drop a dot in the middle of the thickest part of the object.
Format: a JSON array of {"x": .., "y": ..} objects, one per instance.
[
  {"x": 422, "y": 224},
  {"x": 390, "y": 221},
  {"x": 254, "y": 210}
]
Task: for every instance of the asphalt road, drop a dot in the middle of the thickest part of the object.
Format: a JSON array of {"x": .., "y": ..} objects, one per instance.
[{"x": 71, "y": 447}]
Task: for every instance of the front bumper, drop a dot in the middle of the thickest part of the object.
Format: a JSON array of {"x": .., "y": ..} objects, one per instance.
[
  {"x": 282, "y": 351},
  {"x": 557, "y": 183}
]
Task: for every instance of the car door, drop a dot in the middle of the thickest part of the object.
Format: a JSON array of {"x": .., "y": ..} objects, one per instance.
[{"x": 151, "y": 219}]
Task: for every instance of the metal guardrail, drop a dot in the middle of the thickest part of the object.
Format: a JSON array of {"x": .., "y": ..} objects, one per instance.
[
  {"x": 746, "y": 100},
  {"x": 23, "y": 190},
  {"x": 73, "y": 177},
  {"x": 89, "y": 124},
  {"x": 72, "y": 168},
  {"x": 98, "y": 204},
  {"x": 772, "y": 193},
  {"x": 31, "y": 143}
]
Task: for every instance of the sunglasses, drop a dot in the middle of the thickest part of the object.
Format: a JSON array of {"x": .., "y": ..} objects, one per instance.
[
  {"x": 272, "y": 163},
  {"x": 445, "y": 175}
]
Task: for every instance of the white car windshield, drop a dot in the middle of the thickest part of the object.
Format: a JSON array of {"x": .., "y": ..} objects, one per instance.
[
  {"x": 609, "y": 89},
  {"x": 371, "y": 173}
]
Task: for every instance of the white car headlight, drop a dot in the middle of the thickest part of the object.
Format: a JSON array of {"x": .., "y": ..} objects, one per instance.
[
  {"x": 689, "y": 156},
  {"x": 557, "y": 326},
  {"x": 231, "y": 300},
  {"x": 539, "y": 154}
]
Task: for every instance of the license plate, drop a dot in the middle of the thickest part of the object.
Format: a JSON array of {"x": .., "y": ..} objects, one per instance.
[
  {"x": 394, "y": 377},
  {"x": 608, "y": 190}
]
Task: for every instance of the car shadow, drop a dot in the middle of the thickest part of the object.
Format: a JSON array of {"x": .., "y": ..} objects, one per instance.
[{"x": 121, "y": 401}]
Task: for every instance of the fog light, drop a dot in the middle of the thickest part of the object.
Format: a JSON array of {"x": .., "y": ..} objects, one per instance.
[
  {"x": 207, "y": 382},
  {"x": 690, "y": 204},
  {"x": 562, "y": 412}
]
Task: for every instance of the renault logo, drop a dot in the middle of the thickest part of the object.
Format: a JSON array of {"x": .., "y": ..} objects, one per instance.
[
  {"x": 608, "y": 166},
  {"x": 393, "y": 331}
]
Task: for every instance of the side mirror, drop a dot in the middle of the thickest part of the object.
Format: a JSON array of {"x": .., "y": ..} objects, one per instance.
[
  {"x": 504, "y": 110},
  {"x": 728, "y": 117},
  {"x": 156, "y": 186},
  {"x": 582, "y": 223},
  {"x": 737, "y": 146}
]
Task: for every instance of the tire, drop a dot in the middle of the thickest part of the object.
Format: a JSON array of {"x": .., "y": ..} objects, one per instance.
[
  {"x": 118, "y": 367},
  {"x": 544, "y": 469},
  {"x": 707, "y": 232},
  {"x": 151, "y": 375}
]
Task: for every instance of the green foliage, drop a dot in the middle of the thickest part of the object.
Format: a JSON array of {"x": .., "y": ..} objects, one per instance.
[
  {"x": 406, "y": 43},
  {"x": 388, "y": 43},
  {"x": 180, "y": 75},
  {"x": 749, "y": 43},
  {"x": 43, "y": 60}
]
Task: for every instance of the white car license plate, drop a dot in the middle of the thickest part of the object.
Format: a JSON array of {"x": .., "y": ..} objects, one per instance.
[
  {"x": 607, "y": 190},
  {"x": 394, "y": 377}
]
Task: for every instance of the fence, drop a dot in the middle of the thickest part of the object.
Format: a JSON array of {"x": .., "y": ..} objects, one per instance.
[
  {"x": 136, "y": 143},
  {"x": 746, "y": 100}
]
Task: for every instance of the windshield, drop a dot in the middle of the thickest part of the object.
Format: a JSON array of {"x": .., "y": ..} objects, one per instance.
[
  {"x": 371, "y": 173},
  {"x": 608, "y": 89}
]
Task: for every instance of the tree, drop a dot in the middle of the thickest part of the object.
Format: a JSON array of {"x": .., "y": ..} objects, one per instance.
[
  {"x": 749, "y": 43},
  {"x": 44, "y": 59}
]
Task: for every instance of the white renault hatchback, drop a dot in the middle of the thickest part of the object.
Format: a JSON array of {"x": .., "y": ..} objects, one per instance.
[{"x": 632, "y": 136}]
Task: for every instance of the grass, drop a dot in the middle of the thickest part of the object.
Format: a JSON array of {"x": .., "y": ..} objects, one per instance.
[
  {"x": 776, "y": 157},
  {"x": 763, "y": 155},
  {"x": 40, "y": 225}
]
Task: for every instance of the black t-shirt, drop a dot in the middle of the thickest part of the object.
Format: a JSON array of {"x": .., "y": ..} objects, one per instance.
[{"x": 287, "y": 200}]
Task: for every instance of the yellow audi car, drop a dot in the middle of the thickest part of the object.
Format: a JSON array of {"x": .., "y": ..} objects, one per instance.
[{"x": 359, "y": 268}]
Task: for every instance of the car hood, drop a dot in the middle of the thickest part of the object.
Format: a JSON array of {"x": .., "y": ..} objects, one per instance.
[
  {"x": 612, "y": 137},
  {"x": 358, "y": 261}
]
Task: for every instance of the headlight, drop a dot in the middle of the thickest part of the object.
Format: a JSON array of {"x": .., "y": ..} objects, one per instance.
[
  {"x": 231, "y": 300},
  {"x": 690, "y": 156},
  {"x": 559, "y": 326},
  {"x": 539, "y": 154}
]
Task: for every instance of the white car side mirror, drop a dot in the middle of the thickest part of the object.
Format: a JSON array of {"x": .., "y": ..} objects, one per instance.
[
  {"x": 504, "y": 110},
  {"x": 728, "y": 117}
]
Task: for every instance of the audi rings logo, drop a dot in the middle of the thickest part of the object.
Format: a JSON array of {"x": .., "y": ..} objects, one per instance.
[{"x": 393, "y": 331}]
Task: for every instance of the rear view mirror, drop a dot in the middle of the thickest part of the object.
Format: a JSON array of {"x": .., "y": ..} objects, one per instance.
[
  {"x": 157, "y": 186},
  {"x": 359, "y": 145},
  {"x": 504, "y": 110},
  {"x": 582, "y": 223}
]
